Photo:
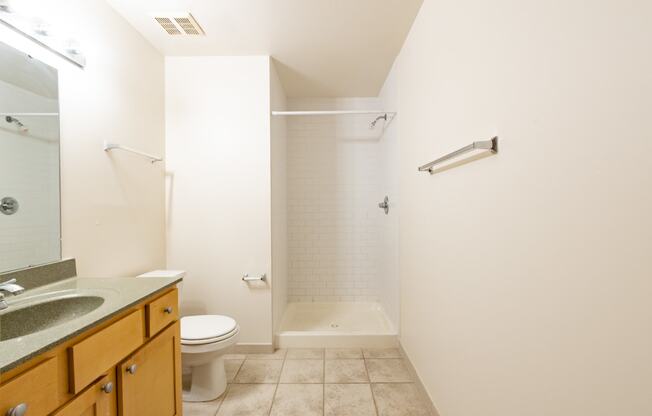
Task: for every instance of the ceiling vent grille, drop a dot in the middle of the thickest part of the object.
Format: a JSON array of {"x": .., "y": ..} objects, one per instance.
[
  {"x": 168, "y": 25},
  {"x": 179, "y": 24}
]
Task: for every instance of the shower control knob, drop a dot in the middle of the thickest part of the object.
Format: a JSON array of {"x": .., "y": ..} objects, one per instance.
[
  {"x": 107, "y": 388},
  {"x": 384, "y": 205},
  {"x": 132, "y": 369},
  {"x": 19, "y": 410},
  {"x": 8, "y": 205}
]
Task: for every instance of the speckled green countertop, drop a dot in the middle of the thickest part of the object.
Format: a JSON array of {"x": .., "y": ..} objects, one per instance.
[{"x": 118, "y": 294}]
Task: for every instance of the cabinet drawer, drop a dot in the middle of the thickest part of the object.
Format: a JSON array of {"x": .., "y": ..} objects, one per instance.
[
  {"x": 37, "y": 388},
  {"x": 93, "y": 356},
  {"x": 97, "y": 400},
  {"x": 162, "y": 311}
]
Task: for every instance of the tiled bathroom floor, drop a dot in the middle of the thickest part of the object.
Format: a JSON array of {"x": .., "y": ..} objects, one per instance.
[{"x": 316, "y": 382}]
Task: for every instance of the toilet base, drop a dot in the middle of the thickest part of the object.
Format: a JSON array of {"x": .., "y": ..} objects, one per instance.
[{"x": 208, "y": 382}]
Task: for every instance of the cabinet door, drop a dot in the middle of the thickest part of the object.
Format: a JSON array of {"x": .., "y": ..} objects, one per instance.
[
  {"x": 99, "y": 399},
  {"x": 150, "y": 380}
]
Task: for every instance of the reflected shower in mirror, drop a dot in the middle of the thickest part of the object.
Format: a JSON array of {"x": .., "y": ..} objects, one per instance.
[{"x": 29, "y": 161}]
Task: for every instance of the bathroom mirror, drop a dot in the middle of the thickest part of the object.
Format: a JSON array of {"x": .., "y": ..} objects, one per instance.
[{"x": 29, "y": 161}]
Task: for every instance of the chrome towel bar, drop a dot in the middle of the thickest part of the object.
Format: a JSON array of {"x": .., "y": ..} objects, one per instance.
[
  {"x": 113, "y": 146},
  {"x": 247, "y": 278},
  {"x": 491, "y": 145}
]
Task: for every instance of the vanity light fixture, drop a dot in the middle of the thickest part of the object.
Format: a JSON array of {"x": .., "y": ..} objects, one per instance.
[
  {"x": 4, "y": 6},
  {"x": 39, "y": 32}
]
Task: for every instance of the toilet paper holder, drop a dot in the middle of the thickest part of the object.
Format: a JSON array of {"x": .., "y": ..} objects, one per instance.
[{"x": 247, "y": 278}]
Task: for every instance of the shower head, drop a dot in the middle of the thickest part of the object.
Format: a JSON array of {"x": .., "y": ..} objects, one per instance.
[
  {"x": 14, "y": 120},
  {"x": 373, "y": 123}
]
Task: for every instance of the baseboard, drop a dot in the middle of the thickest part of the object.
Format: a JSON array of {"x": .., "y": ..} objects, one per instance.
[
  {"x": 422, "y": 389},
  {"x": 253, "y": 349},
  {"x": 308, "y": 339}
]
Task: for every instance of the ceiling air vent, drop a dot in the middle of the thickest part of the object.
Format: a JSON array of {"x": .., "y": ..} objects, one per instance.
[{"x": 179, "y": 24}]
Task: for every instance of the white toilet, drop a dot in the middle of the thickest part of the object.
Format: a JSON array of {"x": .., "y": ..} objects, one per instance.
[{"x": 204, "y": 341}]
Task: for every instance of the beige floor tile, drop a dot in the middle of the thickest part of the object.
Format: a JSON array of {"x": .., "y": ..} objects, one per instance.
[
  {"x": 248, "y": 400},
  {"x": 276, "y": 355},
  {"x": 305, "y": 354},
  {"x": 202, "y": 408},
  {"x": 343, "y": 353},
  {"x": 259, "y": 371},
  {"x": 298, "y": 400},
  {"x": 345, "y": 371},
  {"x": 235, "y": 356},
  {"x": 348, "y": 400},
  {"x": 382, "y": 353},
  {"x": 232, "y": 367},
  {"x": 303, "y": 371},
  {"x": 387, "y": 371},
  {"x": 399, "y": 400}
]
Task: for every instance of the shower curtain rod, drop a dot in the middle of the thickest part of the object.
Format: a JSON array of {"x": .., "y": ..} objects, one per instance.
[{"x": 330, "y": 112}]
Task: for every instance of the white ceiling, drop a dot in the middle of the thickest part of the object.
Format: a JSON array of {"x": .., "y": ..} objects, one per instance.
[{"x": 322, "y": 48}]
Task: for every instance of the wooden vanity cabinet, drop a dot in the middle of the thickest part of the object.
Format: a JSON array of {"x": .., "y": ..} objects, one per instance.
[
  {"x": 150, "y": 380},
  {"x": 128, "y": 366},
  {"x": 100, "y": 399}
]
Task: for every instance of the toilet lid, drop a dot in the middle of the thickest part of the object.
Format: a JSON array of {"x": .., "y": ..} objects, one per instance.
[{"x": 199, "y": 327}]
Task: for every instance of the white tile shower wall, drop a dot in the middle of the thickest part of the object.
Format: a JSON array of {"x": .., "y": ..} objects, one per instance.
[
  {"x": 30, "y": 174},
  {"x": 335, "y": 182}
]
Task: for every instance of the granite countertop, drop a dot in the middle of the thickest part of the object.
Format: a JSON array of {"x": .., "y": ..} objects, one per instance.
[{"x": 118, "y": 293}]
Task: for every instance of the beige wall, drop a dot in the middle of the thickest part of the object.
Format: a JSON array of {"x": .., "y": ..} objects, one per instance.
[
  {"x": 526, "y": 276},
  {"x": 219, "y": 193},
  {"x": 112, "y": 206}
]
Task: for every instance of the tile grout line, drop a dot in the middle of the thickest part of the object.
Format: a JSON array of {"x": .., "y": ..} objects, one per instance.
[
  {"x": 238, "y": 370},
  {"x": 373, "y": 397},
  {"x": 219, "y": 406},
  {"x": 278, "y": 381}
]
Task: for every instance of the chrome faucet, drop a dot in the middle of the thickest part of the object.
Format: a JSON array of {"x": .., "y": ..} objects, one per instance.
[{"x": 11, "y": 288}]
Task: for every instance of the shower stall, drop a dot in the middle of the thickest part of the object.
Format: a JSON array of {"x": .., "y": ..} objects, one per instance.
[
  {"x": 341, "y": 287},
  {"x": 276, "y": 206}
]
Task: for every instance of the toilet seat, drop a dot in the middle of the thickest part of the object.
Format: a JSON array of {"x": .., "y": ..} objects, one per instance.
[{"x": 207, "y": 329}]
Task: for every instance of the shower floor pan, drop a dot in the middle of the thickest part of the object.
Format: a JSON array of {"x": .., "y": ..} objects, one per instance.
[{"x": 336, "y": 325}]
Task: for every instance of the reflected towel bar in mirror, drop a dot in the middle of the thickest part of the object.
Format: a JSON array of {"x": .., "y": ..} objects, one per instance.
[
  {"x": 491, "y": 145},
  {"x": 113, "y": 146}
]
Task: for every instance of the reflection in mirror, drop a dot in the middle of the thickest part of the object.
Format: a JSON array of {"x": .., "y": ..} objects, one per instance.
[{"x": 29, "y": 161}]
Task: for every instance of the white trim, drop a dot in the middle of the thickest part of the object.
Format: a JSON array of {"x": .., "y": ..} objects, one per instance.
[{"x": 330, "y": 112}]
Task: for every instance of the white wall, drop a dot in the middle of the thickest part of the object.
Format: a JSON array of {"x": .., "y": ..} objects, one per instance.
[
  {"x": 112, "y": 206},
  {"x": 526, "y": 275},
  {"x": 336, "y": 178},
  {"x": 219, "y": 192},
  {"x": 388, "y": 275},
  {"x": 279, "y": 241}
]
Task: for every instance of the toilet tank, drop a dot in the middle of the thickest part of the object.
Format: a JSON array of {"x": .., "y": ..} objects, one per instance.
[{"x": 167, "y": 273}]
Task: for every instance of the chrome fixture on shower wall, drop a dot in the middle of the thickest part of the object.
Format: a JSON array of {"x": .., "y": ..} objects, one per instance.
[
  {"x": 373, "y": 123},
  {"x": 8, "y": 205},
  {"x": 18, "y": 123},
  {"x": 384, "y": 205}
]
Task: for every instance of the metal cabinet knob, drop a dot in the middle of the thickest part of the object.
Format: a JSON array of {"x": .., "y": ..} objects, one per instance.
[
  {"x": 107, "y": 388},
  {"x": 168, "y": 309},
  {"x": 132, "y": 369},
  {"x": 19, "y": 410}
]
